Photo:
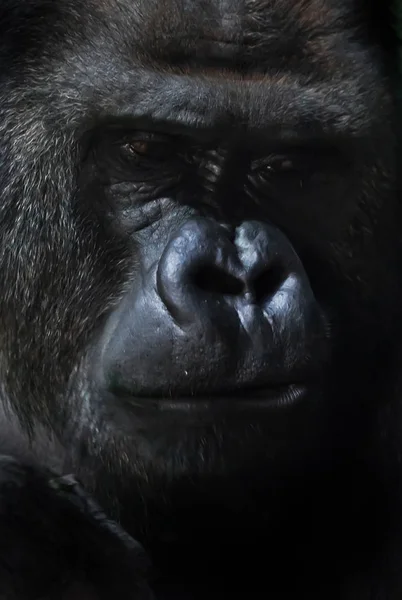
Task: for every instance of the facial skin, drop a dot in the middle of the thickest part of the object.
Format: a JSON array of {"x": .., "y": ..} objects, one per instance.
[{"x": 198, "y": 257}]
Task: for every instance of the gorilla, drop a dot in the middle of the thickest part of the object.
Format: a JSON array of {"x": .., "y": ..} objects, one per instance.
[{"x": 200, "y": 305}]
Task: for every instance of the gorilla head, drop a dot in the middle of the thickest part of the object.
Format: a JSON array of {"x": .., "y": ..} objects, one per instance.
[{"x": 199, "y": 225}]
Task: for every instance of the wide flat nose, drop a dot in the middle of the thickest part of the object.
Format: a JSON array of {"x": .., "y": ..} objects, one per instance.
[
  {"x": 223, "y": 308},
  {"x": 211, "y": 261}
]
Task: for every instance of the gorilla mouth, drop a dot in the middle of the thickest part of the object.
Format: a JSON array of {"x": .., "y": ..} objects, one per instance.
[{"x": 279, "y": 396}]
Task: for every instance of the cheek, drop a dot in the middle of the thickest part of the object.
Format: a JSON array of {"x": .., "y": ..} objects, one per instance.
[{"x": 318, "y": 211}]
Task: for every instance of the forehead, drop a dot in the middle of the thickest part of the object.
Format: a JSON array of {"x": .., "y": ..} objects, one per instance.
[
  {"x": 240, "y": 33},
  {"x": 255, "y": 65}
]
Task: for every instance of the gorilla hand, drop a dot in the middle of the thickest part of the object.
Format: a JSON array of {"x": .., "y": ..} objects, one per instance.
[{"x": 56, "y": 543}]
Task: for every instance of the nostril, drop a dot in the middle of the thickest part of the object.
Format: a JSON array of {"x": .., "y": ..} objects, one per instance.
[
  {"x": 215, "y": 280},
  {"x": 267, "y": 283}
]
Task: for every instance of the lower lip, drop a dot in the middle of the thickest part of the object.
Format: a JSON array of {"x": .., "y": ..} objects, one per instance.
[{"x": 277, "y": 398}]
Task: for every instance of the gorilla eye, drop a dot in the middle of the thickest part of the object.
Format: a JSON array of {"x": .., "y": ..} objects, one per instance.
[
  {"x": 136, "y": 156},
  {"x": 275, "y": 164},
  {"x": 277, "y": 169},
  {"x": 149, "y": 146},
  {"x": 138, "y": 147}
]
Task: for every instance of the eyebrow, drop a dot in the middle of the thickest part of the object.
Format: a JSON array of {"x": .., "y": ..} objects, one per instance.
[{"x": 203, "y": 103}]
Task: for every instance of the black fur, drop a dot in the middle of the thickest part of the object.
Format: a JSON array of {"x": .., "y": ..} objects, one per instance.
[{"x": 301, "y": 502}]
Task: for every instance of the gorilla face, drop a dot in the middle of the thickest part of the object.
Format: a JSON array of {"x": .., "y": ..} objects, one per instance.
[
  {"x": 216, "y": 309},
  {"x": 198, "y": 235}
]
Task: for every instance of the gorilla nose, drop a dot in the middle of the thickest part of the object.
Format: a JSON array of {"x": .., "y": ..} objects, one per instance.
[
  {"x": 210, "y": 263},
  {"x": 222, "y": 308}
]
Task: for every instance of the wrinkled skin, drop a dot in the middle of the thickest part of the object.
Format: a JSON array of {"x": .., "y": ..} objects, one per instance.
[{"x": 200, "y": 300}]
